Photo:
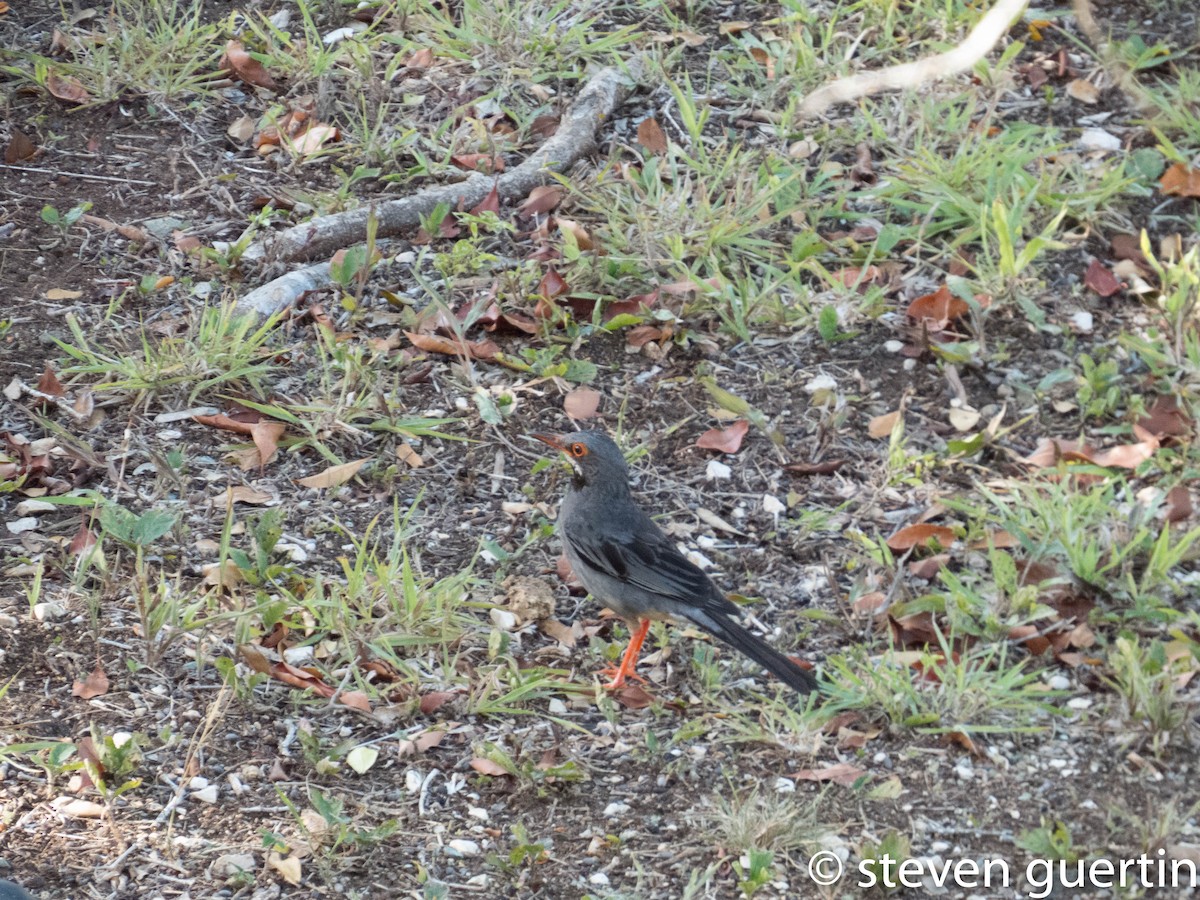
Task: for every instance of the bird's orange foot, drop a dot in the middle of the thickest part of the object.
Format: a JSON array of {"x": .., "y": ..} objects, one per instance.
[{"x": 617, "y": 677}]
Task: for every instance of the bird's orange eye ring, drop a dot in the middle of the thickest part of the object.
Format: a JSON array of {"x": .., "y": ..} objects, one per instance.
[{"x": 578, "y": 449}]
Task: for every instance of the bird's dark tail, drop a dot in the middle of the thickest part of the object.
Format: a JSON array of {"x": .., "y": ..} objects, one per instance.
[{"x": 737, "y": 637}]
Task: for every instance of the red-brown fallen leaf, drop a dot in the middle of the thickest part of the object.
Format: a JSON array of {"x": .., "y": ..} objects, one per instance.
[
  {"x": 725, "y": 440},
  {"x": 485, "y": 766},
  {"x": 1100, "y": 279},
  {"x": 651, "y": 136},
  {"x": 582, "y": 403},
  {"x": 920, "y": 535},
  {"x": 856, "y": 276},
  {"x": 633, "y": 696},
  {"x": 276, "y": 637},
  {"x": 928, "y": 568},
  {"x": 640, "y": 335},
  {"x": 1051, "y": 451},
  {"x": 1029, "y": 635},
  {"x": 432, "y": 343},
  {"x": 49, "y": 384},
  {"x": 916, "y": 630},
  {"x": 938, "y": 309},
  {"x": 583, "y": 238},
  {"x": 827, "y": 467},
  {"x": 541, "y": 199},
  {"x": 241, "y": 422},
  {"x": 435, "y": 700},
  {"x": 487, "y": 163},
  {"x": 552, "y": 284},
  {"x": 83, "y": 540},
  {"x": 1179, "y": 504},
  {"x": 19, "y": 149},
  {"x": 95, "y": 685},
  {"x": 632, "y": 306},
  {"x": 1165, "y": 419},
  {"x": 495, "y": 319},
  {"x": 355, "y": 700},
  {"x": 239, "y": 61},
  {"x": 490, "y": 203},
  {"x": 67, "y": 89},
  {"x": 1180, "y": 180},
  {"x": 1129, "y": 246},
  {"x": 839, "y": 773},
  {"x": 420, "y": 742},
  {"x": 266, "y": 435},
  {"x": 312, "y": 139},
  {"x": 1000, "y": 539}
]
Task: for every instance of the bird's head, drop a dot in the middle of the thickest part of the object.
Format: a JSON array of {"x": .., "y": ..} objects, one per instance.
[{"x": 596, "y": 458}]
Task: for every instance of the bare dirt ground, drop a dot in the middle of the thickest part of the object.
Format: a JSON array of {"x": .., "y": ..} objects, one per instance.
[{"x": 607, "y": 798}]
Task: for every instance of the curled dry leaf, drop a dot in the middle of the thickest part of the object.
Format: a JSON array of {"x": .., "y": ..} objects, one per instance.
[
  {"x": 334, "y": 475},
  {"x": 433, "y": 343},
  {"x": 863, "y": 170},
  {"x": 826, "y": 467},
  {"x": 19, "y": 149},
  {"x": 485, "y": 766},
  {"x": 725, "y": 440},
  {"x": 920, "y": 535},
  {"x": 245, "y": 67},
  {"x": 67, "y": 89},
  {"x": 1179, "y": 504}
]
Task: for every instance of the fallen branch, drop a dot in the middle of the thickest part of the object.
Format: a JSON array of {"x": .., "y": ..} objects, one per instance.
[
  {"x": 978, "y": 43},
  {"x": 576, "y": 136}
]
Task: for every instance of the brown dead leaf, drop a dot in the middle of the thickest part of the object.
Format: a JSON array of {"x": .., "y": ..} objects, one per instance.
[
  {"x": 1165, "y": 419},
  {"x": 541, "y": 199},
  {"x": 334, "y": 475},
  {"x": 962, "y": 739},
  {"x": 1084, "y": 91},
  {"x": 67, "y": 89},
  {"x": 651, "y": 136},
  {"x": 489, "y": 204},
  {"x": 432, "y": 343},
  {"x": 1180, "y": 180},
  {"x": 920, "y": 535},
  {"x": 487, "y": 163},
  {"x": 881, "y": 426},
  {"x": 435, "y": 700},
  {"x": 633, "y": 696},
  {"x": 582, "y": 403},
  {"x": 266, "y": 435},
  {"x": 1100, "y": 279},
  {"x": 826, "y": 467},
  {"x": 839, "y": 773},
  {"x": 917, "y": 630},
  {"x": 1029, "y": 636},
  {"x": 1179, "y": 504},
  {"x": 485, "y": 766},
  {"x": 407, "y": 455},
  {"x": 938, "y": 309},
  {"x": 95, "y": 685},
  {"x": 559, "y": 631},
  {"x": 49, "y": 384},
  {"x": 245, "y": 67},
  {"x": 244, "y": 493},
  {"x": 19, "y": 149},
  {"x": 725, "y": 440}
]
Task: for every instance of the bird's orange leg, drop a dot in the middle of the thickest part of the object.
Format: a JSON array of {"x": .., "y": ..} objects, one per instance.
[{"x": 629, "y": 660}]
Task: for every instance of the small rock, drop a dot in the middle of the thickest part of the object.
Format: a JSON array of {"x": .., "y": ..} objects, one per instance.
[
  {"x": 207, "y": 795},
  {"x": 45, "y": 612},
  {"x": 1060, "y": 683},
  {"x": 615, "y": 809},
  {"x": 20, "y": 526},
  {"x": 785, "y": 786},
  {"x": 599, "y": 879},
  {"x": 478, "y": 812},
  {"x": 233, "y": 864},
  {"x": 463, "y": 847}
]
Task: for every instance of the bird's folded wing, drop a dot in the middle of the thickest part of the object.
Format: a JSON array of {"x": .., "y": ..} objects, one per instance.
[{"x": 653, "y": 564}]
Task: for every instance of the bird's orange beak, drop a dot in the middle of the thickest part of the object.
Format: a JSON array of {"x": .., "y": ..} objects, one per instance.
[{"x": 550, "y": 439}]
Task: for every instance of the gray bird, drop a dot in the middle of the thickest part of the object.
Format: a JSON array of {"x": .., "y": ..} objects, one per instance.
[{"x": 627, "y": 563}]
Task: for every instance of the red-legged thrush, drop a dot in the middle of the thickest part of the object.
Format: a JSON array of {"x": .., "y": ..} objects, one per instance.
[{"x": 628, "y": 564}]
